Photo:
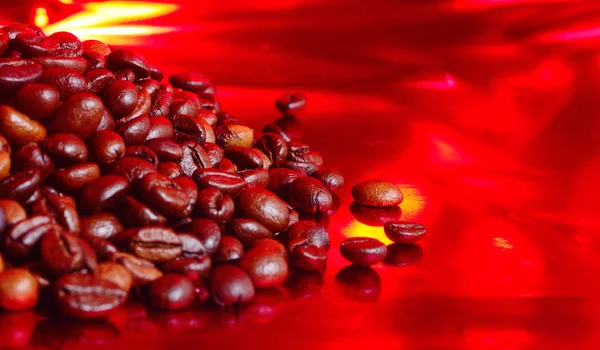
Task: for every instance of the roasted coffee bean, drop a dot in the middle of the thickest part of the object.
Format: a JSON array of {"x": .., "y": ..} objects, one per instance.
[
  {"x": 290, "y": 104},
  {"x": 303, "y": 168},
  {"x": 229, "y": 285},
  {"x": 125, "y": 75},
  {"x": 164, "y": 194},
  {"x": 265, "y": 207},
  {"x": 399, "y": 254},
  {"x": 294, "y": 217},
  {"x": 103, "y": 224},
  {"x": 165, "y": 149},
  {"x": 64, "y": 252},
  {"x": 65, "y": 148},
  {"x": 215, "y": 153},
  {"x": 255, "y": 177},
  {"x": 213, "y": 204},
  {"x": 195, "y": 268},
  {"x": 280, "y": 180},
  {"x": 170, "y": 169},
  {"x": 106, "y": 146},
  {"x": 115, "y": 273},
  {"x": 296, "y": 149},
  {"x": 248, "y": 231},
  {"x": 376, "y": 193},
  {"x": 21, "y": 185},
  {"x": 404, "y": 232},
  {"x": 142, "y": 152},
  {"x": 310, "y": 196},
  {"x": 137, "y": 214},
  {"x": 101, "y": 246},
  {"x": 363, "y": 251},
  {"x": 106, "y": 121},
  {"x": 37, "y": 101},
  {"x": 207, "y": 232},
  {"x": 98, "y": 80},
  {"x": 88, "y": 296},
  {"x": 188, "y": 128},
  {"x": 172, "y": 292},
  {"x": 67, "y": 82},
  {"x": 359, "y": 283},
  {"x": 266, "y": 269},
  {"x": 21, "y": 239},
  {"x": 194, "y": 157},
  {"x": 121, "y": 98},
  {"x": 156, "y": 73},
  {"x": 331, "y": 178},
  {"x": 230, "y": 135},
  {"x": 308, "y": 257},
  {"x": 225, "y": 118},
  {"x": 68, "y": 44},
  {"x": 160, "y": 127},
  {"x": 19, "y": 290},
  {"x": 144, "y": 102},
  {"x": 312, "y": 233},
  {"x": 229, "y": 251},
  {"x": 270, "y": 245},
  {"x": 273, "y": 128},
  {"x": 132, "y": 168},
  {"x": 135, "y": 131},
  {"x": 273, "y": 146},
  {"x": 80, "y": 115},
  {"x": 102, "y": 193},
  {"x": 96, "y": 46},
  {"x": 189, "y": 187},
  {"x": 127, "y": 59},
  {"x": 94, "y": 60},
  {"x": 59, "y": 206},
  {"x": 4, "y": 145},
  {"x": 154, "y": 243},
  {"x": 247, "y": 158},
  {"x": 149, "y": 85},
  {"x": 16, "y": 73},
  {"x": 227, "y": 183},
  {"x": 161, "y": 103},
  {"x": 142, "y": 271},
  {"x": 31, "y": 156},
  {"x": 18, "y": 128},
  {"x": 227, "y": 166},
  {"x": 77, "y": 64},
  {"x": 185, "y": 103},
  {"x": 210, "y": 132},
  {"x": 13, "y": 211},
  {"x": 5, "y": 164},
  {"x": 189, "y": 81},
  {"x": 72, "y": 178}
]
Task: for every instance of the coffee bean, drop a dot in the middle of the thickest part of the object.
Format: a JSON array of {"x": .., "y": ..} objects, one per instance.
[
  {"x": 19, "y": 289},
  {"x": 65, "y": 148},
  {"x": 87, "y": 296},
  {"x": 308, "y": 257},
  {"x": 255, "y": 177},
  {"x": 22, "y": 238},
  {"x": 189, "y": 81},
  {"x": 127, "y": 59},
  {"x": 18, "y": 128},
  {"x": 115, "y": 273},
  {"x": 191, "y": 245},
  {"x": 72, "y": 178},
  {"x": 96, "y": 46},
  {"x": 20, "y": 185},
  {"x": 125, "y": 75},
  {"x": 290, "y": 104},
  {"x": 207, "y": 232},
  {"x": 247, "y": 158},
  {"x": 161, "y": 103},
  {"x": 149, "y": 85},
  {"x": 194, "y": 157},
  {"x": 215, "y": 153},
  {"x": 359, "y": 283},
  {"x": 331, "y": 178},
  {"x": 404, "y": 232},
  {"x": 194, "y": 267},
  {"x": 265, "y": 207},
  {"x": 37, "y": 101},
  {"x": 137, "y": 214},
  {"x": 132, "y": 168},
  {"x": 310, "y": 196},
  {"x": 134, "y": 131},
  {"x": 165, "y": 149},
  {"x": 310, "y": 232},
  {"x": 59, "y": 206},
  {"x": 230, "y": 135},
  {"x": 172, "y": 292},
  {"x": 270, "y": 245},
  {"x": 266, "y": 269},
  {"x": 169, "y": 169},
  {"x": 229, "y": 285},
  {"x": 102, "y": 193},
  {"x": 102, "y": 224},
  {"x": 376, "y": 193},
  {"x": 64, "y": 252},
  {"x": 188, "y": 128},
  {"x": 280, "y": 180},
  {"x": 142, "y": 152},
  {"x": 213, "y": 204},
  {"x": 273, "y": 128},
  {"x": 363, "y": 251},
  {"x": 399, "y": 254},
  {"x": 304, "y": 168},
  {"x": 98, "y": 80},
  {"x": 16, "y": 73},
  {"x": 229, "y": 251},
  {"x": 227, "y": 183},
  {"x": 106, "y": 121},
  {"x": 67, "y": 82},
  {"x": 154, "y": 243},
  {"x": 189, "y": 187},
  {"x": 30, "y": 156},
  {"x": 80, "y": 115},
  {"x": 106, "y": 146},
  {"x": 5, "y": 164},
  {"x": 121, "y": 98},
  {"x": 77, "y": 64},
  {"x": 248, "y": 231},
  {"x": 94, "y": 61},
  {"x": 101, "y": 246},
  {"x": 273, "y": 146},
  {"x": 142, "y": 271},
  {"x": 160, "y": 127},
  {"x": 164, "y": 195},
  {"x": 13, "y": 211},
  {"x": 227, "y": 166}
]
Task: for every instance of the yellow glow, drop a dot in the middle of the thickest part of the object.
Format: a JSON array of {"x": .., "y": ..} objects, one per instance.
[
  {"x": 41, "y": 17},
  {"x": 66, "y": 2},
  {"x": 414, "y": 201},
  {"x": 356, "y": 229},
  {"x": 502, "y": 243}
]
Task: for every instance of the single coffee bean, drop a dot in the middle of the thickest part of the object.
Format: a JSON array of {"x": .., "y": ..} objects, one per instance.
[
  {"x": 189, "y": 187},
  {"x": 213, "y": 204},
  {"x": 13, "y": 211},
  {"x": 189, "y": 81},
  {"x": 4, "y": 145},
  {"x": 227, "y": 183},
  {"x": 165, "y": 149},
  {"x": 304, "y": 168},
  {"x": 137, "y": 214},
  {"x": 248, "y": 231},
  {"x": 247, "y": 158},
  {"x": 215, "y": 153},
  {"x": 297, "y": 149},
  {"x": 290, "y": 104},
  {"x": 270, "y": 245},
  {"x": 331, "y": 178},
  {"x": 207, "y": 232},
  {"x": 101, "y": 246},
  {"x": 160, "y": 127},
  {"x": 359, "y": 283},
  {"x": 172, "y": 292},
  {"x": 273, "y": 128},
  {"x": 230, "y": 135},
  {"x": 65, "y": 148},
  {"x": 64, "y": 252},
  {"x": 266, "y": 269},
  {"x": 154, "y": 243},
  {"x": 255, "y": 177},
  {"x": 404, "y": 232},
  {"x": 66, "y": 81},
  {"x": 37, "y": 101},
  {"x": 142, "y": 152},
  {"x": 210, "y": 132},
  {"x": 80, "y": 115},
  {"x": 72, "y": 178},
  {"x": 18, "y": 128},
  {"x": 400, "y": 254},
  {"x": 5, "y": 164},
  {"x": 363, "y": 251},
  {"x": 96, "y": 46},
  {"x": 312, "y": 233},
  {"x": 142, "y": 271},
  {"x": 68, "y": 44},
  {"x": 103, "y": 224},
  {"x": 169, "y": 169},
  {"x": 16, "y": 73},
  {"x": 227, "y": 166},
  {"x": 98, "y": 79},
  {"x": 31, "y": 156},
  {"x": 376, "y": 193},
  {"x": 310, "y": 196},
  {"x": 102, "y": 193},
  {"x": 273, "y": 146},
  {"x": 94, "y": 61},
  {"x": 188, "y": 128},
  {"x": 142, "y": 107},
  {"x": 280, "y": 180},
  {"x": 125, "y": 75},
  {"x": 265, "y": 207},
  {"x": 195, "y": 268},
  {"x": 87, "y": 296},
  {"x": 186, "y": 103},
  {"x": 59, "y": 206},
  {"x": 134, "y": 131},
  {"x": 76, "y": 64},
  {"x": 127, "y": 59},
  {"x": 230, "y": 250},
  {"x": 229, "y": 285},
  {"x": 308, "y": 257},
  {"x": 164, "y": 194},
  {"x": 115, "y": 273},
  {"x": 194, "y": 157},
  {"x": 106, "y": 146},
  {"x": 19, "y": 290},
  {"x": 132, "y": 168},
  {"x": 150, "y": 85},
  {"x": 20, "y": 185},
  {"x": 21, "y": 238},
  {"x": 121, "y": 98},
  {"x": 106, "y": 121}
]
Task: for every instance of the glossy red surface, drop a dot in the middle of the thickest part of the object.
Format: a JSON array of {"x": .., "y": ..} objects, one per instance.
[{"x": 485, "y": 113}]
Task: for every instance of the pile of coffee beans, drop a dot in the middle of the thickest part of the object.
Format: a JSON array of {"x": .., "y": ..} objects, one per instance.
[{"x": 117, "y": 184}]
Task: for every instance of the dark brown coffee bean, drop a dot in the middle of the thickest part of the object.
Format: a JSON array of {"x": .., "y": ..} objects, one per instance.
[
  {"x": 186, "y": 103},
  {"x": 102, "y": 193},
  {"x": 64, "y": 252},
  {"x": 172, "y": 292},
  {"x": 19, "y": 290},
  {"x": 308, "y": 257},
  {"x": 68, "y": 44},
  {"x": 310, "y": 196},
  {"x": 20, "y": 185},
  {"x": 18, "y": 128},
  {"x": 156, "y": 73},
  {"x": 247, "y": 158},
  {"x": 213, "y": 204},
  {"x": 94, "y": 60},
  {"x": 125, "y": 75},
  {"x": 255, "y": 177},
  {"x": 135, "y": 131},
  {"x": 188, "y": 128},
  {"x": 215, "y": 153},
  {"x": 76, "y": 64},
  {"x": 16, "y": 73},
  {"x": 142, "y": 152},
  {"x": 359, "y": 283},
  {"x": 403, "y": 254},
  {"x": 194, "y": 157},
  {"x": 376, "y": 193},
  {"x": 103, "y": 224},
  {"x": 96, "y": 46},
  {"x": 273, "y": 128},
  {"x": 165, "y": 149},
  {"x": 66, "y": 81},
  {"x": 164, "y": 195},
  {"x": 149, "y": 85},
  {"x": 127, "y": 59},
  {"x": 161, "y": 127},
  {"x": 363, "y": 251},
  {"x": 65, "y": 148},
  {"x": 301, "y": 167},
  {"x": 161, "y": 103},
  {"x": 227, "y": 166},
  {"x": 227, "y": 183},
  {"x": 76, "y": 176},
  {"x": 404, "y": 232},
  {"x": 13, "y": 211},
  {"x": 31, "y": 156},
  {"x": 266, "y": 269},
  {"x": 170, "y": 169},
  {"x": 132, "y": 168},
  {"x": 106, "y": 121},
  {"x": 98, "y": 80},
  {"x": 137, "y": 214},
  {"x": 59, "y": 206},
  {"x": 106, "y": 146},
  {"x": 273, "y": 146},
  {"x": 280, "y": 180},
  {"x": 189, "y": 81},
  {"x": 121, "y": 98},
  {"x": 296, "y": 150},
  {"x": 142, "y": 271},
  {"x": 115, "y": 273},
  {"x": 248, "y": 231},
  {"x": 230, "y": 250},
  {"x": 207, "y": 232},
  {"x": 194, "y": 267},
  {"x": 230, "y": 285},
  {"x": 190, "y": 188},
  {"x": 331, "y": 178},
  {"x": 312, "y": 233},
  {"x": 230, "y": 135},
  {"x": 101, "y": 246},
  {"x": 37, "y": 101},
  {"x": 290, "y": 104},
  {"x": 154, "y": 243},
  {"x": 21, "y": 239},
  {"x": 265, "y": 207},
  {"x": 80, "y": 115},
  {"x": 87, "y": 296}
]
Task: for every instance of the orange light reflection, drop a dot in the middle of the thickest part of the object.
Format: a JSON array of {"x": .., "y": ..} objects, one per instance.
[{"x": 41, "y": 17}]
